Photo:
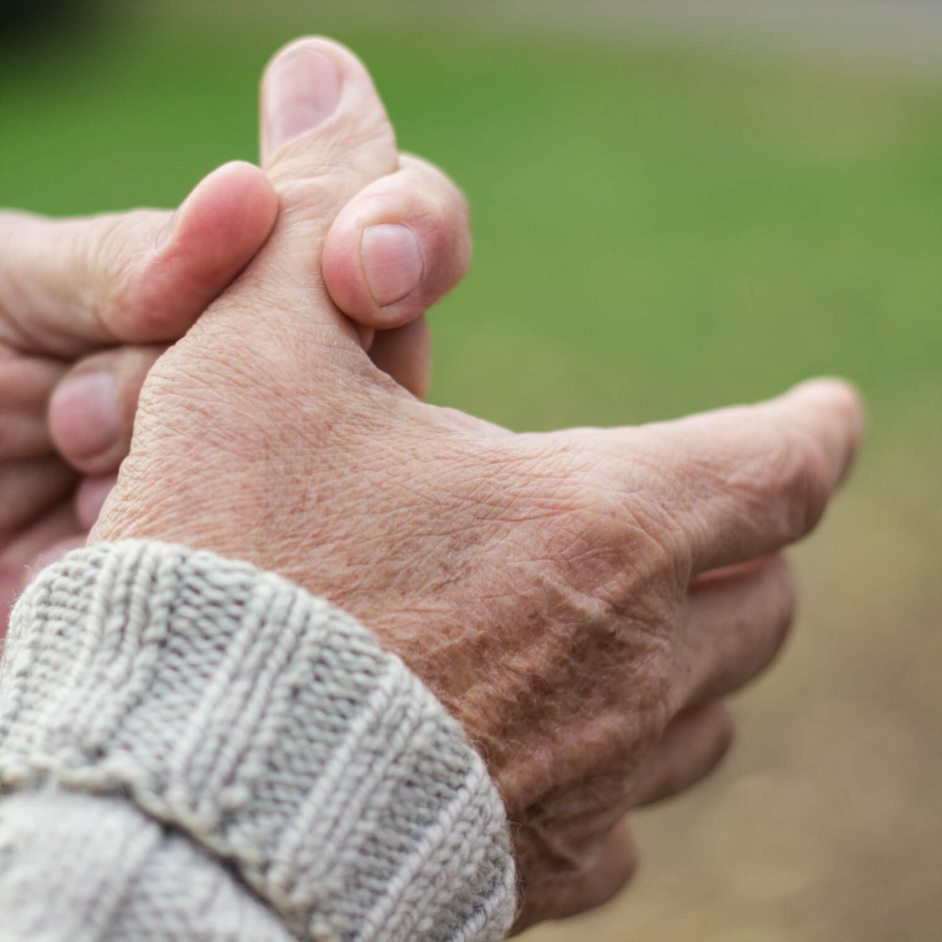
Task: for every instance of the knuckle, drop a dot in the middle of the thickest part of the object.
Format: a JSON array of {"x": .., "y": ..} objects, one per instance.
[
  {"x": 439, "y": 211},
  {"x": 436, "y": 185},
  {"x": 445, "y": 229},
  {"x": 793, "y": 474},
  {"x": 625, "y": 558},
  {"x": 338, "y": 157},
  {"x": 606, "y": 530},
  {"x": 112, "y": 293},
  {"x": 302, "y": 186},
  {"x": 808, "y": 482}
]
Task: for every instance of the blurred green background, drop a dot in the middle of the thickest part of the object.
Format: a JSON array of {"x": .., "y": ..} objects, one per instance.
[{"x": 662, "y": 225}]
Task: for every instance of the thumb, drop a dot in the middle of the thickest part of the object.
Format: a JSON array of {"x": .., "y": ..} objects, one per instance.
[
  {"x": 69, "y": 286},
  {"x": 325, "y": 136}
]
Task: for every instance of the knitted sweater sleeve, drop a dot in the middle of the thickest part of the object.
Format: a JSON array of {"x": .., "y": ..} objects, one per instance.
[{"x": 192, "y": 749}]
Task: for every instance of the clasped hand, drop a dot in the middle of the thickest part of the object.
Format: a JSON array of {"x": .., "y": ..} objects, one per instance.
[{"x": 581, "y": 600}]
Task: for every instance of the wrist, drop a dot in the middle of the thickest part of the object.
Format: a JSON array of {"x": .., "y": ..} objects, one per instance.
[{"x": 263, "y": 724}]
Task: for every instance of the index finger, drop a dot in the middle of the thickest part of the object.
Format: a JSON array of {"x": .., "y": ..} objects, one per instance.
[{"x": 747, "y": 481}]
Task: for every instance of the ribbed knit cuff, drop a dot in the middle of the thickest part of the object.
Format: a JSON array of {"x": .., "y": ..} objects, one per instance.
[{"x": 266, "y": 726}]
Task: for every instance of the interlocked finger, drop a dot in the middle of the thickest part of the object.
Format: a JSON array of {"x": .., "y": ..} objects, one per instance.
[
  {"x": 91, "y": 411},
  {"x": 735, "y": 624},
  {"x": 692, "y": 746}
]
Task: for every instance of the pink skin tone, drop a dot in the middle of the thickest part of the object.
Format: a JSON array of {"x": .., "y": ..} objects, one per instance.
[
  {"x": 87, "y": 306},
  {"x": 581, "y": 600}
]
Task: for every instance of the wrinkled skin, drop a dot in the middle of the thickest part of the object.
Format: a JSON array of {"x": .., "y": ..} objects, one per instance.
[
  {"x": 104, "y": 295},
  {"x": 579, "y": 600}
]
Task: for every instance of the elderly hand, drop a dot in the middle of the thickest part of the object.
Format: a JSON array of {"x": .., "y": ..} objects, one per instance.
[
  {"x": 87, "y": 306},
  {"x": 579, "y": 600}
]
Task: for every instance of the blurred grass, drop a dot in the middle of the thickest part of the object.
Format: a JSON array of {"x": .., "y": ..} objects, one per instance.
[{"x": 658, "y": 230}]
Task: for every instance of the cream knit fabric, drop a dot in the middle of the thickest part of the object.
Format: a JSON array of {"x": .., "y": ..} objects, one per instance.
[{"x": 191, "y": 749}]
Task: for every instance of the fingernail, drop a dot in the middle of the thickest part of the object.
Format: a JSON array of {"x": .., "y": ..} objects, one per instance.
[
  {"x": 301, "y": 90},
  {"x": 85, "y": 415},
  {"x": 392, "y": 262}
]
